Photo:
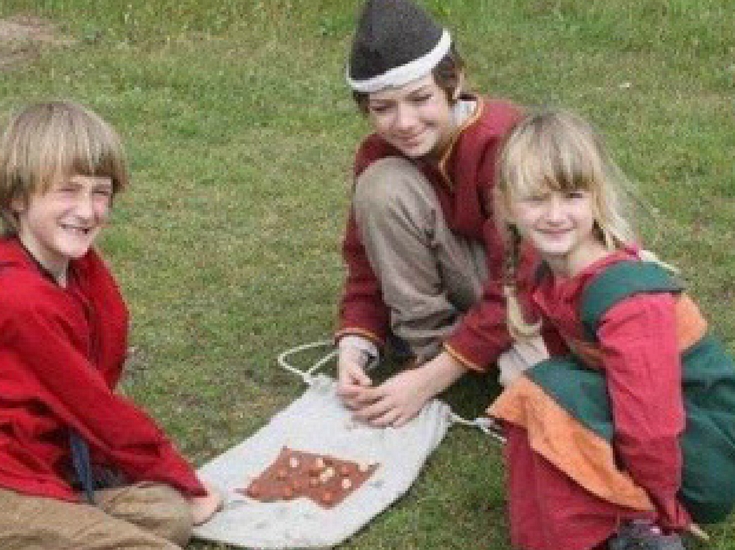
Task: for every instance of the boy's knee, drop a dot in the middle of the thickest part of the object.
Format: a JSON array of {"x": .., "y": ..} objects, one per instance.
[
  {"x": 179, "y": 524},
  {"x": 172, "y": 515},
  {"x": 391, "y": 184},
  {"x": 156, "y": 508},
  {"x": 385, "y": 179}
]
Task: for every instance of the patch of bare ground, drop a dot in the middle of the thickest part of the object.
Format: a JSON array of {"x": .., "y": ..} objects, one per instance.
[{"x": 22, "y": 37}]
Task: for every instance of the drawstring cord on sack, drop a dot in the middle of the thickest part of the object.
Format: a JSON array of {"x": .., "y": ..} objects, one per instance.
[
  {"x": 307, "y": 375},
  {"x": 485, "y": 424}
]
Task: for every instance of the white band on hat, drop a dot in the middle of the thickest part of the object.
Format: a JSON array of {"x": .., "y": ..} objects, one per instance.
[{"x": 398, "y": 76}]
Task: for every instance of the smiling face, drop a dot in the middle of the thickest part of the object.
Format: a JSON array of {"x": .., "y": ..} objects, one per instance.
[
  {"x": 561, "y": 227},
  {"x": 62, "y": 223},
  {"x": 415, "y": 118},
  {"x": 42, "y": 146},
  {"x": 558, "y": 185}
]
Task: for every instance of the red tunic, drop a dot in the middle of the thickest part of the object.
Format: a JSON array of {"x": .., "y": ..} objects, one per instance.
[
  {"x": 641, "y": 360},
  {"x": 61, "y": 354},
  {"x": 463, "y": 181}
]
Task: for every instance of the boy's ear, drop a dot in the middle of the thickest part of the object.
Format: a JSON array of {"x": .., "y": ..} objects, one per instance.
[{"x": 459, "y": 87}]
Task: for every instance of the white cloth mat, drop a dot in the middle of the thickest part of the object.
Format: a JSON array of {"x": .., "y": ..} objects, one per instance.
[{"x": 317, "y": 422}]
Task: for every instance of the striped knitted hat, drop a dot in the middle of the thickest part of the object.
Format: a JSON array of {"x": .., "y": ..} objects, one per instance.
[{"x": 395, "y": 42}]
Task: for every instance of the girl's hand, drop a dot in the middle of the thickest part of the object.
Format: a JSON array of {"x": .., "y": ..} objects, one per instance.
[{"x": 204, "y": 507}]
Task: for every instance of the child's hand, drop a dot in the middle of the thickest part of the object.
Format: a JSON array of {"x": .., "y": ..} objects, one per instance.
[
  {"x": 395, "y": 401},
  {"x": 351, "y": 376},
  {"x": 400, "y": 398},
  {"x": 203, "y": 508}
]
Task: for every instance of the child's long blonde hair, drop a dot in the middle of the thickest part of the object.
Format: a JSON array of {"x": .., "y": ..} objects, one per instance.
[
  {"x": 51, "y": 140},
  {"x": 557, "y": 150}
]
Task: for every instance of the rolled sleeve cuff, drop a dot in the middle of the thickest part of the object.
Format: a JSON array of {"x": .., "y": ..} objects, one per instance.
[
  {"x": 364, "y": 334},
  {"x": 475, "y": 352},
  {"x": 467, "y": 362}
]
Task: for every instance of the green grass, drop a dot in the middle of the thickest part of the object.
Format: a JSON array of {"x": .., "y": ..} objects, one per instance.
[{"x": 240, "y": 131}]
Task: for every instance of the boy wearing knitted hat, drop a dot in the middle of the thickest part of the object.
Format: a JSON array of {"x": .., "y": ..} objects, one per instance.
[{"x": 422, "y": 252}]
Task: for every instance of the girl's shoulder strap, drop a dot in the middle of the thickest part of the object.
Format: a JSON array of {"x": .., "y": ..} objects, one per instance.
[{"x": 619, "y": 281}]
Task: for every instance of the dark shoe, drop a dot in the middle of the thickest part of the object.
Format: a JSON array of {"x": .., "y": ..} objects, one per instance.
[{"x": 644, "y": 535}]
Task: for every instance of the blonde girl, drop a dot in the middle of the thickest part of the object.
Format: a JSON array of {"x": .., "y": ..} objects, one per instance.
[{"x": 626, "y": 435}]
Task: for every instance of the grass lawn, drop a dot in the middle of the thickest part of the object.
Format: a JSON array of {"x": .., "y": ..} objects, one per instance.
[{"x": 240, "y": 131}]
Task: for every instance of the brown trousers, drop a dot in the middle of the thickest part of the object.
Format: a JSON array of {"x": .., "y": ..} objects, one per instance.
[
  {"x": 144, "y": 516},
  {"x": 429, "y": 276}
]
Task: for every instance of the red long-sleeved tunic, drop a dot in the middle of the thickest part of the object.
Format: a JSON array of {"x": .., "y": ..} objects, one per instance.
[
  {"x": 642, "y": 365},
  {"x": 463, "y": 181},
  {"x": 61, "y": 354}
]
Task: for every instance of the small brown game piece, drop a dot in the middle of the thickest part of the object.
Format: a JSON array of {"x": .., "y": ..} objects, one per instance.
[
  {"x": 344, "y": 470},
  {"x": 327, "y": 497},
  {"x": 326, "y": 475},
  {"x": 281, "y": 474}
]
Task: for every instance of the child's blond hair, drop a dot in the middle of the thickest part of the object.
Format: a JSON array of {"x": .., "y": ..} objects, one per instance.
[
  {"x": 52, "y": 140},
  {"x": 557, "y": 150}
]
